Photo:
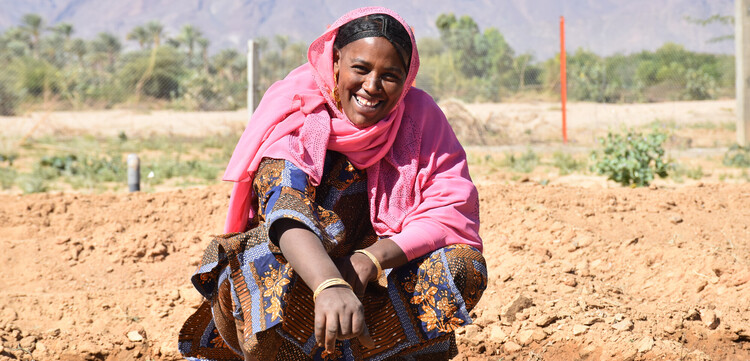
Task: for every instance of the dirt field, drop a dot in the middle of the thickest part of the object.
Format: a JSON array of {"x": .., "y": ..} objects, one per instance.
[{"x": 580, "y": 269}]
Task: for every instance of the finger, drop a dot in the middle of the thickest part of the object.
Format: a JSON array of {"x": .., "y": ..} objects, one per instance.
[
  {"x": 320, "y": 326},
  {"x": 332, "y": 329},
  {"x": 345, "y": 327},
  {"x": 365, "y": 339}
]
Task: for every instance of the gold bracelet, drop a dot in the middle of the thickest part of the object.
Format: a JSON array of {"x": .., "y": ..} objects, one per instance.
[
  {"x": 330, "y": 283},
  {"x": 373, "y": 259}
]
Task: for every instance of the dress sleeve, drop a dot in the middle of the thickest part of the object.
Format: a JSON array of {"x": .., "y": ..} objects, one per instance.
[{"x": 285, "y": 191}]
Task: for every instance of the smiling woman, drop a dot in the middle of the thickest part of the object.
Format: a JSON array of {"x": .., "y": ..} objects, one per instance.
[{"x": 352, "y": 230}]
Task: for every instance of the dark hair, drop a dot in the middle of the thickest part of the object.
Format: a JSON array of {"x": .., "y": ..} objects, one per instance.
[{"x": 377, "y": 25}]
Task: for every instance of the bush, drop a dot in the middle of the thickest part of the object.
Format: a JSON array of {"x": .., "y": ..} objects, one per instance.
[
  {"x": 631, "y": 158},
  {"x": 737, "y": 156}
]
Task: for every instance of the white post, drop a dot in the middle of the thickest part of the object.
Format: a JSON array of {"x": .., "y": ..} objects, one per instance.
[
  {"x": 253, "y": 74},
  {"x": 742, "y": 67}
]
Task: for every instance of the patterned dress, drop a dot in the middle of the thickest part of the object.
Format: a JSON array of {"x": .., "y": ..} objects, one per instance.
[{"x": 411, "y": 313}]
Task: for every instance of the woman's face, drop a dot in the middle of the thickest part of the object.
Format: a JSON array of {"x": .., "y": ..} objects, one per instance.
[{"x": 371, "y": 77}]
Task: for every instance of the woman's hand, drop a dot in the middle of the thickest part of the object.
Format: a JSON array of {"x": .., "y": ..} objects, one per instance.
[
  {"x": 358, "y": 271},
  {"x": 339, "y": 315}
]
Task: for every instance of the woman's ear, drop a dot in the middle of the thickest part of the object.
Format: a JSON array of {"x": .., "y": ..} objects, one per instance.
[{"x": 336, "y": 66}]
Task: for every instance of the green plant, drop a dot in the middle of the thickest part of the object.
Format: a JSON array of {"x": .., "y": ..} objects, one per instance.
[
  {"x": 631, "y": 158},
  {"x": 525, "y": 163},
  {"x": 32, "y": 184},
  {"x": 566, "y": 163},
  {"x": 680, "y": 171},
  {"x": 737, "y": 156},
  {"x": 7, "y": 177}
]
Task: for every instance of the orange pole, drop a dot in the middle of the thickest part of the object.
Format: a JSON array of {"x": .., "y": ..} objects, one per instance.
[{"x": 563, "y": 79}]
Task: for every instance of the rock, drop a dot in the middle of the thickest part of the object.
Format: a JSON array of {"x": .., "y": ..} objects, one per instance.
[
  {"x": 592, "y": 320},
  {"x": 497, "y": 334},
  {"x": 472, "y": 334},
  {"x": 28, "y": 343},
  {"x": 619, "y": 317},
  {"x": 539, "y": 335},
  {"x": 511, "y": 347},
  {"x": 174, "y": 295},
  {"x": 580, "y": 330},
  {"x": 518, "y": 304},
  {"x": 570, "y": 281},
  {"x": 8, "y": 315},
  {"x": 629, "y": 354},
  {"x": 41, "y": 347},
  {"x": 669, "y": 329},
  {"x": 675, "y": 219},
  {"x": 646, "y": 344},
  {"x": 710, "y": 319},
  {"x": 135, "y": 336},
  {"x": 624, "y": 325},
  {"x": 692, "y": 315},
  {"x": 545, "y": 320},
  {"x": 525, "y": 337}
]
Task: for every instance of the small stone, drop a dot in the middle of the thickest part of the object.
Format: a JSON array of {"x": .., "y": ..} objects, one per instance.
[
  {"x": 135, "y": 336},
  {"x": 592, "y": 320},
  {"x": 669, "y": 329},
  {"x": 709, "y": 319},
  {"x": 497, "y": 334},
  {"x": 692, "y": 315},
  {"x": 701, "y": 285},
  {"x": 545, "y": 320},
  {"x": 619, "y": 317},
  {"x": 525, "y": 337},
  {"x": 174, "y": 295},
  {"x": 629, "y": 354},
  {"x": 579, "y": 330},
  {"x": 570, "y": 281},
  {"x": 41, "y": 347},
  {"x": 676, "y": 219},
  {"x": 28, "y": 343},
  {"x": 518, "y": 304},
  {"x": 472, "y": 334},
  {"x": 511, "y": 347},
  {"x": 646, "y": 344},
  {"x": 624, "y": 325},
  {"x": 539, "y": 335}
]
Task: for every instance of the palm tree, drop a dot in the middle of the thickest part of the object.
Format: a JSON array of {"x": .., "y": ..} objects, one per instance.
[
  {"x": 203, "y": 44},
  {"x": 79, "y": 49},
  {"x": 141, "y": 35},
  {"x": 110, "y": 45},
  {"x": 155, "y": 31},
  {"x": 189, "y": 35},
  {"x": 33, "y": 25},
  {"x": 64, "y": 29}
]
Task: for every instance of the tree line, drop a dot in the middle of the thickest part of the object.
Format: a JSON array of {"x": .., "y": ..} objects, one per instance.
[{"x": 47, "y": 66}]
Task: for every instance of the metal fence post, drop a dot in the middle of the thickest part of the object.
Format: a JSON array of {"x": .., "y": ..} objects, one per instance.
[
  {"x": 742, "y": 67},
  {"x": 253, "y": 73},
  {"x": 134, "y": 173}
]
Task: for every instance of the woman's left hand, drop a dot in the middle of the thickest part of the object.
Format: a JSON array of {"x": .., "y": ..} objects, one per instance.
[{"x": 358, "y": 270}]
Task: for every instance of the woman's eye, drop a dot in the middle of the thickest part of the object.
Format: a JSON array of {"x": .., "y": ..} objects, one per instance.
[{"x": 360, "y": 69}]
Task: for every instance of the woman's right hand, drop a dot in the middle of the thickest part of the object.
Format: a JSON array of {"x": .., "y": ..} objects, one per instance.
[{"x": 339, "y": 314}]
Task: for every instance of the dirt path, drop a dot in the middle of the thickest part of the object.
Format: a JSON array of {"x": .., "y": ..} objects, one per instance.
[{"x": 575, "y": 273}]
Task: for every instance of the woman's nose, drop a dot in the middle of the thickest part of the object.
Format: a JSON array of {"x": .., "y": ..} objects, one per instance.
[{"x": 372, "y": 84}]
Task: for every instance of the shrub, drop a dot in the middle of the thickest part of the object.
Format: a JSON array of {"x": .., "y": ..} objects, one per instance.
[
  {"x": 737, "y": 156},
  {"x": 631, "y": 158}
]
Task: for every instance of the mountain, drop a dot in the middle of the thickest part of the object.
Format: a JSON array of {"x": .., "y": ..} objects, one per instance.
[{"x": 602, "y": 26}]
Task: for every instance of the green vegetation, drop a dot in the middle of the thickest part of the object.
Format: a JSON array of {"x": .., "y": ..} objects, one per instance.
[
  {"x": 94, "y": 164},
  {"x": 737, "y": 156},
  {"x": 48, "y": 67},
  {"x": 630, "y": 158}
]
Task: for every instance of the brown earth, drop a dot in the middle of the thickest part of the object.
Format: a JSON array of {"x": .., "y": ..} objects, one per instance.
[{"x": 578, "y": 270}]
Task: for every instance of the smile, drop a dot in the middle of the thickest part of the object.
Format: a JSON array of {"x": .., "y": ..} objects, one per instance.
[{"x": 366, "y": 103}]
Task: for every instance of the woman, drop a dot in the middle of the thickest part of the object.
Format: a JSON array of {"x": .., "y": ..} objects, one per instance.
[{"x": 352, "y": 231}]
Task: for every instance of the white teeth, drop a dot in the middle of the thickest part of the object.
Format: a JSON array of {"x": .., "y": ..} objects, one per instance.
[{"x": 365, "y": 102}]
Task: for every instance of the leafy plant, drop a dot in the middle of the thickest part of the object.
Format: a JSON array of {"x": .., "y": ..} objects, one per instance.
[
  {"x": 737, "y": 156},
  {"x": 566, "y": 163},
  {"x": 525, "y": 163},
  {"x": 630, "y": 158}
]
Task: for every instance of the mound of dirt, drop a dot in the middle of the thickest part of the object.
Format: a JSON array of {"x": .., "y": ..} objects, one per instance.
[{"x": 575, "y": 273}]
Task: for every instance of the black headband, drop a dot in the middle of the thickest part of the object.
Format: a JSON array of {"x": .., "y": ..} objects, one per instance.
[{"x": 373, "y": 26}]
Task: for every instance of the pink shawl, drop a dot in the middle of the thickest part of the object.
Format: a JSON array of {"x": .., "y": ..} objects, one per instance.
[{"x": 420, "y": 192}]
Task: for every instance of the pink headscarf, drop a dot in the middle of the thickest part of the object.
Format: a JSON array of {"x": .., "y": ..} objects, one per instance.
[{"x": 420, "y": 192}]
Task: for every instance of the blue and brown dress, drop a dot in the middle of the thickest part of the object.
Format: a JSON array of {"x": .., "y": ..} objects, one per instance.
[{"x": 411, "y": 313}]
